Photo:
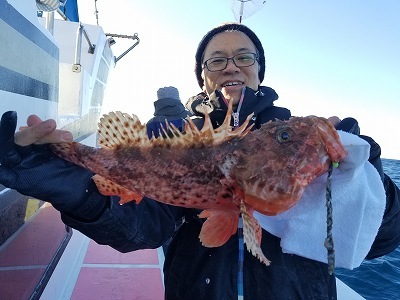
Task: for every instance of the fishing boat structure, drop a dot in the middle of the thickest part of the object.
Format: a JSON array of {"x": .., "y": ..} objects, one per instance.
[{"x": 55, "y": 67}]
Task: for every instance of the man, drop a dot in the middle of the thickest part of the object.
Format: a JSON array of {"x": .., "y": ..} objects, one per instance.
[
  {"x": 230, "y": 66},
  {"x": 168, "y": 107}
]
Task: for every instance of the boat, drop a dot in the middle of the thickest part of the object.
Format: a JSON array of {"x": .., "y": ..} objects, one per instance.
[{"x": 55, "y": 67}]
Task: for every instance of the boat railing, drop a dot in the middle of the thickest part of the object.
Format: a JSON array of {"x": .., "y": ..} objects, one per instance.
[
  {"x": 111, "y": 40},
  {"x": 81, "y": 31}
]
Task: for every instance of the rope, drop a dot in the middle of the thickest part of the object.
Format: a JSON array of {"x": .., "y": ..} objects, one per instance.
[
  {"x": 240, "y": 260},
  {"x": 329, "y": 222}
]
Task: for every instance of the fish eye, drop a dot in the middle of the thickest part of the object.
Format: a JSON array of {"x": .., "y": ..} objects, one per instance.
[{"x": 282, "y": 135}]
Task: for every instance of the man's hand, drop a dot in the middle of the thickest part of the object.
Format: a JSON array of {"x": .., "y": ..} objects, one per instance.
[
  {"x": 28, "y": 166},
  {"x": 41, "y": 132}
]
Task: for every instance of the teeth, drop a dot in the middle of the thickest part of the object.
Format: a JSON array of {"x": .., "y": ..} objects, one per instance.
[{"x": 232, "y": 83}]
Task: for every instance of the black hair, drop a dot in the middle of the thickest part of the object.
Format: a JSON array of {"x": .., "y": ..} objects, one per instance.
[{"x": 229, "y": 27}]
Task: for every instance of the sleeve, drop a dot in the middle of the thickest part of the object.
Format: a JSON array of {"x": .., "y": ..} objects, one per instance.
[
  {"x": 388, "y": 237},
  {"x": 130, "y": 226}
]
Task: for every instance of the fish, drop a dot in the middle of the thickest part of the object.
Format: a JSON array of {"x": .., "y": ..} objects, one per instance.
[{"x": 225, "y": 172}]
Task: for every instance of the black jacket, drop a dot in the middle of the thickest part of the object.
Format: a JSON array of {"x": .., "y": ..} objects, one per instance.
[
  {"x": 195, "y": 272},
  {"x": 166, "y": 109}
]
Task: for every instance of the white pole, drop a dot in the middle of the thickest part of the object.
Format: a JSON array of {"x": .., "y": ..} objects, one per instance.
[{"x": 241, "y": 11}]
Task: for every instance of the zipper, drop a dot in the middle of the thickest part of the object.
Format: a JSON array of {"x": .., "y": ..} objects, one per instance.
[{"x": 235, "y": 114}]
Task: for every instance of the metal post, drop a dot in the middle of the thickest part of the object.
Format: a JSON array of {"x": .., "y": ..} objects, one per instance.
[
  {"x": 77, "y": 63},
  {"x": 50, "y": 22},
  {"x": 91, "y": 46}
]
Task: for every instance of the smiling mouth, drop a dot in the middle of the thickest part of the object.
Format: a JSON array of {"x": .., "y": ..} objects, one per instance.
[{"x": 233, "y": 83}]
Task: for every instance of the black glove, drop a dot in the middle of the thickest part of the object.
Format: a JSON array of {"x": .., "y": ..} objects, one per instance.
[
  {"x": 194, "y": 101},
  {"x": 35, "y": 171},
  {"x": 351, "y": 125}
]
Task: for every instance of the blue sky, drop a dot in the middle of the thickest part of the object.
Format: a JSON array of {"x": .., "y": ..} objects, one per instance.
[{"x": 323, "y": 57}]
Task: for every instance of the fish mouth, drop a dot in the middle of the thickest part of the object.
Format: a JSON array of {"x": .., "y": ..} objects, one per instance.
[{"x": 271, "y": 207}]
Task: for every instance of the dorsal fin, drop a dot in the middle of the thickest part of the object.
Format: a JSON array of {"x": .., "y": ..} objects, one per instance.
[
  {"x": 120, "y": 129},
  {"x": 117, "y": 128}
]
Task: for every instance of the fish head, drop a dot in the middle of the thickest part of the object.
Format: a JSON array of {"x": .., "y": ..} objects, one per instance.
[{"x": 284, "y": 157}]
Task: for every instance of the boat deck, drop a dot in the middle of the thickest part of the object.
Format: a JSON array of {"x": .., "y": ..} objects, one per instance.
[{"x": 85, "y": 271}]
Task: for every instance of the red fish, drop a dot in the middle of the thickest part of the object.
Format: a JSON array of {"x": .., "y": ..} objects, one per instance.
[{"x": 225, "y": 172}]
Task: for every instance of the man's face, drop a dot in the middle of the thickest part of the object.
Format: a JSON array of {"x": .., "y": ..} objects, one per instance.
[{"x": 232, "y": 79}]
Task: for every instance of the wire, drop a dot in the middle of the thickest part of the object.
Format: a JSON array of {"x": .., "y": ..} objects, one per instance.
[{"x": 96, "y": 12}]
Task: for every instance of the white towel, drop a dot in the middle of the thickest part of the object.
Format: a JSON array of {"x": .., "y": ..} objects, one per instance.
[{"x": 358, "y": 201}]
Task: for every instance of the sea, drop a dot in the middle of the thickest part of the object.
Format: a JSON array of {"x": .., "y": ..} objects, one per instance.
[{"x": 377, "y": 279}]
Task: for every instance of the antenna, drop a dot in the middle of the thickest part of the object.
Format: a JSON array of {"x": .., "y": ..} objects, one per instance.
[
  {"x": 243, "y": 9},
  {"x": 96, "y": 12}
]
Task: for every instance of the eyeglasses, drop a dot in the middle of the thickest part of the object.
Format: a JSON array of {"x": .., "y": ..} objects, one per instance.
[{"x": 240, "y": 60}]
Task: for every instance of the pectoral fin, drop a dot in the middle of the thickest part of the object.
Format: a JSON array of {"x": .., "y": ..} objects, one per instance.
[
  {"x": 218, "y": 228},
  {"x": 252, "y": 233}
]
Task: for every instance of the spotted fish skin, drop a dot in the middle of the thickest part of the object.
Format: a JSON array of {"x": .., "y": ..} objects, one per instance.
[
  {"x": 222, "y": 171},
  {"x": 276, "y": 163}
]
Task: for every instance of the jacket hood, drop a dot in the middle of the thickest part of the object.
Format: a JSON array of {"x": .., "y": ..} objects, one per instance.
[{"x": 170, "y": 109}]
